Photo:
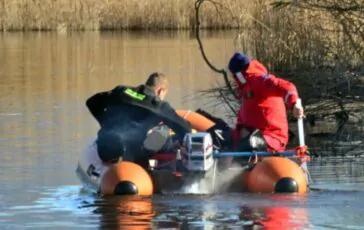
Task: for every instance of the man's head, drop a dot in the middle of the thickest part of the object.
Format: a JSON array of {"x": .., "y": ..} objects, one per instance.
[
  {"x": 238, "y": 64},
  {"x": 159, "y": 83}
]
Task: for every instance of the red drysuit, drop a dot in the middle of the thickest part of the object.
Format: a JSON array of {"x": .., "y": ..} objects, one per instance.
[{"x": 263, "y": 104}]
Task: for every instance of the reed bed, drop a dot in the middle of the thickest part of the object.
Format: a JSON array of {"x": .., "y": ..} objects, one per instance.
[
  {"x": 320, "y": 49},
  {"x": 108, "y": 14}
]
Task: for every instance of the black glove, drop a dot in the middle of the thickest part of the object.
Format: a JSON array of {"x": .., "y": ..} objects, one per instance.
[
  {"x": 220, "y": 132},
  {"x": 221, "y": 136}
]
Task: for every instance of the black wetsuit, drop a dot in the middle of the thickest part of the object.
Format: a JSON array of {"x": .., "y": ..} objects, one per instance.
[{"x": 125, "y": 114}]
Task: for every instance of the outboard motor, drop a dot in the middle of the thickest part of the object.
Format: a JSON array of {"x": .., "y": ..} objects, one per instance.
[{"x": 198, "y": 156}]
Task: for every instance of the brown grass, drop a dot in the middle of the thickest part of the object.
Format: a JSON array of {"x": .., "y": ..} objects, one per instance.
[
  {"x": 320, "y": 50},
  {"x": 107, "y": 14}
]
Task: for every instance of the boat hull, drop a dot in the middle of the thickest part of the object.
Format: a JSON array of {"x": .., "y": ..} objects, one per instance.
[{"x": 268, "y": 175}]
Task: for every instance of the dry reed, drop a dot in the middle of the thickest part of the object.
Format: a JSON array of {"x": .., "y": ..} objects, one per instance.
[
  {"x": 107, "y": 14},
  {"x": 321, "y": 51}
]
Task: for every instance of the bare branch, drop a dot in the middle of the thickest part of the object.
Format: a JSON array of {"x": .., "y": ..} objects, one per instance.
[{"x": 198, "y": 4}]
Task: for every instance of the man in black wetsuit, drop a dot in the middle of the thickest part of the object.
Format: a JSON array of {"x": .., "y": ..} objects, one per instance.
[{"x": 126, "y": 114}]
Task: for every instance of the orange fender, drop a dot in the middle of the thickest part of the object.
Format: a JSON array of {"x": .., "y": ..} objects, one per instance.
[
  {"x": 126, "y": 173},
  {"x": 276, "y": 174},
  {"x": 197, "y": 121}
]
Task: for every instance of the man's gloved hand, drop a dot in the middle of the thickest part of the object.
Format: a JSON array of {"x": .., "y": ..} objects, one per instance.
[
  {"x": 221, "y": 137},
  {"x": 298, "y": 111},
  {"x": 221, "y": 132}
]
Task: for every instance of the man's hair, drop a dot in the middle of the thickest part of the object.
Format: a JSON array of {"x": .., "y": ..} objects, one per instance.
[{"x": 157, "y": 80}]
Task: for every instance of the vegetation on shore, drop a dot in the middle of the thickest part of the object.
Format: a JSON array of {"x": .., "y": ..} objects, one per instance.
[
  {"x": 109, "y": 14},
  {"x": 319, "y": 45}
]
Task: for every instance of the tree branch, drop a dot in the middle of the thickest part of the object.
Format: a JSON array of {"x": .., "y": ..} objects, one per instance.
[{"x": 198, "y": 4}]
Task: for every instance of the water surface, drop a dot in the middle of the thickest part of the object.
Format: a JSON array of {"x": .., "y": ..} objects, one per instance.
[{"x": 45, "y": 79}]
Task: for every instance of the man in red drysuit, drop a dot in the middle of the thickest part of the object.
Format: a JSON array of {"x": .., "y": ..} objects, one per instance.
[{"x": 262, "y": 120}]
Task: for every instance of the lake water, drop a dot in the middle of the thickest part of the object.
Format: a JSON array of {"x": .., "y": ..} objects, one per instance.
[{"x": 45, "y": 79}]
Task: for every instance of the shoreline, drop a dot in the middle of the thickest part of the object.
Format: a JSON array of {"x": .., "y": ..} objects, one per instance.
[{"x": 144, "y": 30}]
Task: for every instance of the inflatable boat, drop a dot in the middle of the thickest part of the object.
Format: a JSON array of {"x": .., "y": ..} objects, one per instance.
[{"x": 198, "y": 168}]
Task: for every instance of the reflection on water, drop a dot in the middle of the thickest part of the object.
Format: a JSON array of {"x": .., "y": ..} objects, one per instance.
[
  {"x": 235, "y": 211},
  {"x": 68, "y": 207},
  {"x": 73, "y": 208},
  {"x": 44, "y": 125},
  {"x": 125, "y": 212}
]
